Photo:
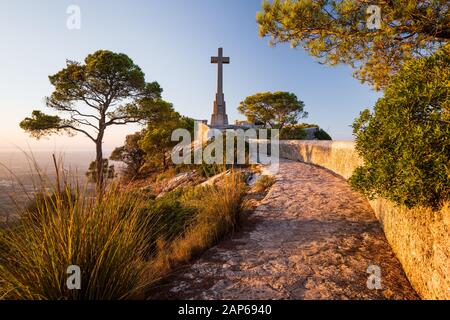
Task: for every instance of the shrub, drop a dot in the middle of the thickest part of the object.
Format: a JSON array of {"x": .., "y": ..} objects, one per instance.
[
  {"x": 132, "y": 155},
  {"x": 298, "y": 132},
  {"x": 322, "y": 135},
  {"x": 208, "y": 170},
  {"x": 405, "y": 142},
  {"x": 108, "y": 171},
  {"x": 293, "y": 132}
]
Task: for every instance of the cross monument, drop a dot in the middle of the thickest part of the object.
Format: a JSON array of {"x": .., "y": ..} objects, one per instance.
[{"x": 219, "y": 117}]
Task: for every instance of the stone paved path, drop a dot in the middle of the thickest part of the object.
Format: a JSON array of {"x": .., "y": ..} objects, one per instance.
[{"x": 312, "y": 237}]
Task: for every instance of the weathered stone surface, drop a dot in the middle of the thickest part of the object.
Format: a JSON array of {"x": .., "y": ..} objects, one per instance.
[
  {"x": 419, "y": 237},
  {"x": 312, "y": 238},
  {"x": 181, "y": 180}
]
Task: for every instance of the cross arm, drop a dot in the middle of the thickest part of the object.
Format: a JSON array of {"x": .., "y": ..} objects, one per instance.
[{"x": 225, "y": 60}]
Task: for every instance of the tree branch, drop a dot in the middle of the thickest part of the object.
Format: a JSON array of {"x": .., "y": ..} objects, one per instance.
[
  {"x": 84, "y": 122},
  {"x": 125, "y": 120},
  {"x": 85, "y": 115},
  {"x": 68, "y": 126}
]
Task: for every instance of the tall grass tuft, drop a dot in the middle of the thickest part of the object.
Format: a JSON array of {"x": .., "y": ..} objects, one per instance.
[
  {"x": 104, "y": 237},
  {"x": 219, "y": 209},
  {"x": 264, "y": 183}
]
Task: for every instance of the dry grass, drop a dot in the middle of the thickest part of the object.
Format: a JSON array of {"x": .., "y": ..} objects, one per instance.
[
  {"x": 263, "y": 183},
  {"x": 218, "y": 212},
  {"x": 105, "y": 238},
  {"x": 123, "y": 242}
]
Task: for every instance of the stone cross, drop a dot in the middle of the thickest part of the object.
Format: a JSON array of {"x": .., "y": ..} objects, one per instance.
[{"x": 219, "y": 117}]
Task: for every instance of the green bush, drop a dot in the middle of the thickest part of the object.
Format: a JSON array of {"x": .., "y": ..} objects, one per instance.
[
  {"x": 293, "y": 132},
  {"x": 405, "y": 142},
  {"x": 322, "y": 135},
  {"x": 208, "y": 170},
  {"x": 298, "y": 132}
]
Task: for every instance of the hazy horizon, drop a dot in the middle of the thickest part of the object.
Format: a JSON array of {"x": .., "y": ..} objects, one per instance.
[{"x": 19, "y": 173}]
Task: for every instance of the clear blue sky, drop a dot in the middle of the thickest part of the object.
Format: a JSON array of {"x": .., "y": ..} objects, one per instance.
[{"x": 172, "y": 41}]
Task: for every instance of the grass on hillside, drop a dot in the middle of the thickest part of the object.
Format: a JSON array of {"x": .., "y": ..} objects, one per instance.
[
  {"x": 218, "y": 211},
  {"x": 122, "y": 242},
  {"x": 264, "y": 183}
]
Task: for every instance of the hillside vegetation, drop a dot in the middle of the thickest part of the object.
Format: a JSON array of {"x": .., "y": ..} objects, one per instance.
[{"x": 123, "y": 242}]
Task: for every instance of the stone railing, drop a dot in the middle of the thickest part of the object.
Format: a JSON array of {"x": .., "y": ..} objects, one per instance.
[{"x": 419, "y": 237}]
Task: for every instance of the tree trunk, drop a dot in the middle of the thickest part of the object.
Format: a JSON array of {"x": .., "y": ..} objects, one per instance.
[
  {"x": 99, "y": 156},
  {"x": 99, "y": 167}
]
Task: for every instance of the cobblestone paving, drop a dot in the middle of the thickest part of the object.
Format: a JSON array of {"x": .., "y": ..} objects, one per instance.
[{"x": 311, "y": 237}]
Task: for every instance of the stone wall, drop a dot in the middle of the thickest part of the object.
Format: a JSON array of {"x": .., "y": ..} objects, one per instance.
[
  {"x": 420, "y": 237},
  {"x": 201, "y": 131}
]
